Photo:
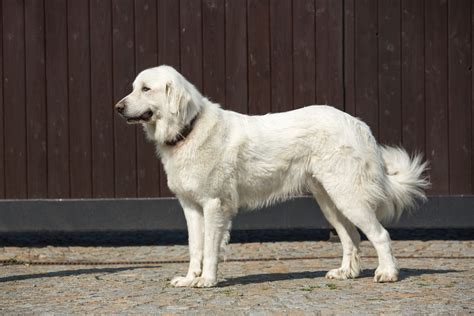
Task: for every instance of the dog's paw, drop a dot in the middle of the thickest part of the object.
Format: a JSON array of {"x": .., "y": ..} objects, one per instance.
[
  {"x": 341, "y": 274},
  {"x": 182, "y": 281},
  {"x": 203, "y": 282},
  {"x": 386, "y": 274}
]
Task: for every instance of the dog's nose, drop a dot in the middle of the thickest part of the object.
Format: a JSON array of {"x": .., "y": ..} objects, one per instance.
[{"x": 120, "y": 107}]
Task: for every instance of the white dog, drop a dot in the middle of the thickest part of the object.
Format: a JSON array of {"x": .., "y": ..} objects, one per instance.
[{"x": 218, "y": 161}]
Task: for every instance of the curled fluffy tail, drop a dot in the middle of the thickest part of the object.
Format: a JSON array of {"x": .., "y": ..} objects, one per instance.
[{"x": 406, "y": 183}]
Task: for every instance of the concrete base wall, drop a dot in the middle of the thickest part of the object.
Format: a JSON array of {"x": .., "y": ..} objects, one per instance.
[{"x": 102, "y": 215}]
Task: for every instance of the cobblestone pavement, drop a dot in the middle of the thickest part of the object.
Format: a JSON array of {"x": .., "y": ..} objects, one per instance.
[{"x": 437, "y": 277}]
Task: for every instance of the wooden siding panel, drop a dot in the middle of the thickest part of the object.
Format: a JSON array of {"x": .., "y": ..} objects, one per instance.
[
  {"x": 329, "y": 53},
  {"x": 80, "y": 150},
  {"x": 403, "y": 66},
  {"x": 304, "y": 65},
  {"x": 123, "y": 75},
  {"x": 472, "y": 99},
  {"x": 236, "y": 56},
  {"x": 436, "y": 84},
  {"x": 2, "y": 112},
  {"x": 169, "y": 33},
  {"x": 413, "y": 61},
  {"x": 191, "y": 41},
  {"x": 103, "y": 184},
  {"x": 146, "y": 52},
  {"x": 37, "y": 160},
  {"x": 259, "y": 56},
  {"x": 57, "y": 98},
  {"x": 213, "y": 22},
  {"x": 365, "y": 63},
  {"x": 168, "y": 52},
  {"x": 349, "y": 55},
  {"x": 281, "y": 23},
  {"x": 460, "y": 103},
  {"x": 389, "y": 64},
  {"x": 14, "y": 99}
]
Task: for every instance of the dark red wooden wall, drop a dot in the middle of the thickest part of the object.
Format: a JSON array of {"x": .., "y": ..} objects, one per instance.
[{"x": 402, "y": 66}]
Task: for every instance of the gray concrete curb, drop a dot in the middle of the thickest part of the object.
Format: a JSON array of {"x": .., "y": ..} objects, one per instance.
[{"x": 102, "y": 215}]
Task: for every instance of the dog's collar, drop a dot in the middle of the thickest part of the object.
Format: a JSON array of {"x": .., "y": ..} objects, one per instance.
[{"x": 183, "y": 133}]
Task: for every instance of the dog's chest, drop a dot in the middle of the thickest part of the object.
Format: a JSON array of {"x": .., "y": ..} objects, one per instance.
[{"x": 186, "y": 177}]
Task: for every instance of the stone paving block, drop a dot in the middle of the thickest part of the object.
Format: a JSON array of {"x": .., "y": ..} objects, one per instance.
[{"x": 437, "y": 277}]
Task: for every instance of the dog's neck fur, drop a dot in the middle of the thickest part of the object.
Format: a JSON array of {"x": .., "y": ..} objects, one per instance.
[
  {"x": 207, "y": 116},
  {"x": 185, "y": 131}
]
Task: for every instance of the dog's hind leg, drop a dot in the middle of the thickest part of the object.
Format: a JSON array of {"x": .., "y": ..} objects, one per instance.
[
  {"x": 354, "y": 180},
  {"x": 360, "y": 213},
  {"x": 347, "y": 232},
  {"x": 366, "y": 220}
]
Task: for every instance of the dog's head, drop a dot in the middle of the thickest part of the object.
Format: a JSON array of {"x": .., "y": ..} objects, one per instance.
[{"x": 163, "y": 101}]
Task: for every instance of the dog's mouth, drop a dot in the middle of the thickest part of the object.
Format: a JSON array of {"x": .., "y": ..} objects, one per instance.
[{"x": 145, "y": 117}]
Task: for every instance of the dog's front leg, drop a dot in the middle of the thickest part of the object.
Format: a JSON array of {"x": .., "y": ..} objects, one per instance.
[
  {"x": 195, "y": 222},
  {"x": 216, "y": 223}
]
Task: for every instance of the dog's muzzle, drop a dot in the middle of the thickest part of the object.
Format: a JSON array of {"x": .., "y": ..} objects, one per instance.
[
  {"x": 143, "y": 118},
  {"x": 120, "y": 107}
]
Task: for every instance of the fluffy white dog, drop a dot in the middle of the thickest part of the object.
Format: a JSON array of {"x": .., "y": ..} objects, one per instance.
[{"x": 218, "y": 161}]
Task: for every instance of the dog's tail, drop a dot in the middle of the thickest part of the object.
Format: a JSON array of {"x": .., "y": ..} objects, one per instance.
[{"x": 406, "y": 183}]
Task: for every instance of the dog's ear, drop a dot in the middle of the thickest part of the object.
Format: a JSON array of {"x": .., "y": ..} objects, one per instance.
[{"x": 177, "y": 98}]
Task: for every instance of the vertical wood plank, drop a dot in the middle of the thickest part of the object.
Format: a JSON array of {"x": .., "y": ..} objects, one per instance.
[
  {"x": 168, "y": 52},
  {"x": 472, "y": 98},
  {"x": 146, "y": 52},
  {"x": 168, "y": 33},
  {"x": 349, "y": 54},
  {"x": 281, "y": 55},
  {"x": 57, "y": 98},
  {"x": 191, "y": 41},
  {"x": 79, "y": 99},
  {"x": 366, "y": 68},
  {"x": 329, "y": 53},
  {"x": 2, "y": 131},
  {"x": 413, "y": 102},
  {"x": 103, "y": 183},
  {"x": 304, "y": 65},
  {"x": 460, "y": 103},
  {"x": 124, "y": 73},
  {"x": 436, "y": 85},
  {"x": 236, "y": 55},
  {"x": 14, "y": 99},
  {"x": 213, "y": 21},
  {"x": 37, "y": 162},
  {"x": 389, "y": 64},
  {"x": 258, "y": 56}
]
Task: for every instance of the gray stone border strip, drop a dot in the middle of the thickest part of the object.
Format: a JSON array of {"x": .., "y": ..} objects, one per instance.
[{"x": 102, "y": 215}]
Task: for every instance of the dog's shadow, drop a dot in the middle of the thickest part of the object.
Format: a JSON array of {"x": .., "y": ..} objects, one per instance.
[
  {"x": 271, "y": 277},
  {"x": 67, "y": 273},
  {"x": 405, "y": 274}
]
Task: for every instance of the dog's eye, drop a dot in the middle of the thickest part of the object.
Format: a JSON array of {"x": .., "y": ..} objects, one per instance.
[{"x": 145, "y": 89}]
